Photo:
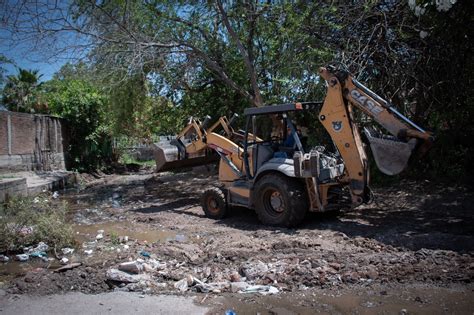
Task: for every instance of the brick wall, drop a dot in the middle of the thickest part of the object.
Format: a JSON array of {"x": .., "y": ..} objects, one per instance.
[{"x": 30, "y": 142}]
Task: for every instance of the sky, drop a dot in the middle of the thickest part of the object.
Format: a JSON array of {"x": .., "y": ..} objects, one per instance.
[{"x": 24, "y": 57}]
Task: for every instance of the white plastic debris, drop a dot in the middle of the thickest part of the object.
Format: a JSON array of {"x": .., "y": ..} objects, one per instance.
[
  {"x": 99, "y": 236},
  {"x": 64, "y": 260},
  {"x": 22, "y": 257},
  {"x": 55, "y": 195},
  {"x": 182, "y": 285},
  {"x": 4, "y": 258},
  {"x": 262, "y": 289},
  {"x": 42, "y": 247},
  {"x": 88, "y": 252},
  {"x": 67, "y": 250}
]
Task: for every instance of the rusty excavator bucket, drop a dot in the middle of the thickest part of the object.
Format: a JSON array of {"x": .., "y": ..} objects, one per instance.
[
  {"x": 171, "y": 155},
  {"x": 390, "y": 154},
  {"x": 187, "y": 149}
]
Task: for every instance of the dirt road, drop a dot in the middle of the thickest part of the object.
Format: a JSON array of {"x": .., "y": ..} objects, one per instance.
[{"x": 411, "y": 248}]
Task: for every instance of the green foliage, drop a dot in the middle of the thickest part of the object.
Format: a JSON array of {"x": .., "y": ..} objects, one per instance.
[
  {"x": 114, "y": 238},
  {"x": 25, "y": 221},
  {"x": 22, "y": 94},
  {"x": 82, "y": 106},
  {"x": 161, "y": 61}
]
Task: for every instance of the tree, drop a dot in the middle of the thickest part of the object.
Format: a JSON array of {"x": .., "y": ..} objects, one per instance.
[
  {"x": 82, "y": 106},
  {"x": 21, "y": 91}
]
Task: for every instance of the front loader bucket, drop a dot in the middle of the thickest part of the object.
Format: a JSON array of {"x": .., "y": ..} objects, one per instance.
[
  {"x": 171, "y": 155},
  {"x": 391, "y": 155}
]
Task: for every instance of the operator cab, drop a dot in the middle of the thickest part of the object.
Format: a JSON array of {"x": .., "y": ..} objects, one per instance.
[{"x": 271, "y": 136}]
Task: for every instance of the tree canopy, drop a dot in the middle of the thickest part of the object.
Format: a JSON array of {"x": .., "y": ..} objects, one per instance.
[{"x": 159, "y": 61}]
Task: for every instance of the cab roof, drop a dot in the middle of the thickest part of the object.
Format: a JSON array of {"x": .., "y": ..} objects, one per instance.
[{"x": 282, "y": 108}]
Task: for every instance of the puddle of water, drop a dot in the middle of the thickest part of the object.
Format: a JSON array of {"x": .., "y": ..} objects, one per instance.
[
  {"x": 88, "y": 232},
  {"x": 410, "y": 301}
]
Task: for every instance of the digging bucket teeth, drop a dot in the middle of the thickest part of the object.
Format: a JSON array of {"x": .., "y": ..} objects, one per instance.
[
  {"x": 390, "y": 154},
  {"x": 171, "y": 155}
]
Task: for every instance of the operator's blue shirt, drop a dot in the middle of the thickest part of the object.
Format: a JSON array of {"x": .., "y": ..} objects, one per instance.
[{"x": 289, "y": 141}]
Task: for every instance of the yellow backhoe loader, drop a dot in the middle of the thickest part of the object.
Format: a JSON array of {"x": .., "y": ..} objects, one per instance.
[{"x": 272, "y": 170}]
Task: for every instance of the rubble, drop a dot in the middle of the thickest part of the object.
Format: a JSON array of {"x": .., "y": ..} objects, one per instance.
[
  {"x": 367, "y": 248},
  {"x": 116, "y": 275},
  {"x": 131, "y": 267},
  {"x": 253, "y": 269}
]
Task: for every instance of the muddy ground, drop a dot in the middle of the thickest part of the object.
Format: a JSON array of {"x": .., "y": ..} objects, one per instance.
[{"x": 410, "y": 251}]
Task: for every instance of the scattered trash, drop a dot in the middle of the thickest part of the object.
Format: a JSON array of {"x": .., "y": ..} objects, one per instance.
[
  {"x": 55, "y": 195},
  {"x": 68, "y": 267},
  {"x": 116, "y": 204},
  {"x": 230, "y": 312},
  {"x": 88, "y": 251},
  {"x": 126, "y": 247},
  {"x": 99, "y": 236},
  {"x": 22, "y": 257},
  {"x": 41, "y": 247},
  {"x": 123, "y": 239},
  {"x": 39, "y": 254},
  {"x": 262, "y": 289},
  {"x": 67, "y": 250},
  {"x": 4, "y": 258},
  {"x": 182, "y": 285},
  {"x": 64, "y": 260},
  {"x": 145, "y": 254}
]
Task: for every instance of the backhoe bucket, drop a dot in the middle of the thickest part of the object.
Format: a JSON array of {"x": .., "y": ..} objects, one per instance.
[
  {"x": 171, "y": 155},
  {"x": 391, "y": 155}
]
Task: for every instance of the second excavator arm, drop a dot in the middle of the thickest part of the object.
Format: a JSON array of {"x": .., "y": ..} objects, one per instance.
[{"x": 391, "y": 153}]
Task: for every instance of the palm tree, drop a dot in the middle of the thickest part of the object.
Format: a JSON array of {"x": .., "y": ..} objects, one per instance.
[{"x": 19, "y": 91}]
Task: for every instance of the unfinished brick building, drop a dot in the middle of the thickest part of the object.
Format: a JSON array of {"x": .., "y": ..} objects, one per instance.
[{"x": 30, "y": 142}]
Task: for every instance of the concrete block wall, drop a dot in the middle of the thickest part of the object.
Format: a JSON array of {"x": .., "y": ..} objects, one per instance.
[
  {"x": 30, "y": 142},
  {"x": 10, "y": 187}
]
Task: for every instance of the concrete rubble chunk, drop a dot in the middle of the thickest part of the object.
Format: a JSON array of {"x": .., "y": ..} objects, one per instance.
[
  {"x": 254, "y": 269},
  {"x": 131, "y": 267},
  {"x": 124, "y": 277}
]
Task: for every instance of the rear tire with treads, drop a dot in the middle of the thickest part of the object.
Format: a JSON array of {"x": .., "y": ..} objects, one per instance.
[
  {"x": 214, "y": 203},
  {"x": 280, "y": 200}
]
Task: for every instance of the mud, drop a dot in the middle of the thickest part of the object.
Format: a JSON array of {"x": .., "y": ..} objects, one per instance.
[{"x": 414, "y": 240}]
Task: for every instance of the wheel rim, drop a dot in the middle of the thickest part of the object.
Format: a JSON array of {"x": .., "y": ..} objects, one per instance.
[
  {"x": 273, "y": 201},
  {"x": 212, "y": 205}
]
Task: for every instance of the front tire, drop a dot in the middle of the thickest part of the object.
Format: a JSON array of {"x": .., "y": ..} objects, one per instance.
[
  {"x": 280, "y": 200},
  {"x": 214, "y": 203}
]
